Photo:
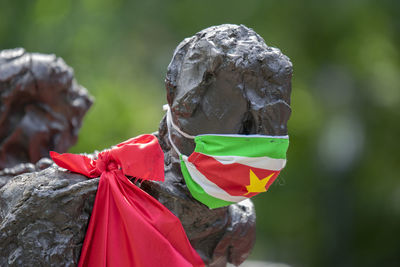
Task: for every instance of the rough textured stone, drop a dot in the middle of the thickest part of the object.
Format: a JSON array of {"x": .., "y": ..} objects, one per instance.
[{"x": 225, "y": 79}]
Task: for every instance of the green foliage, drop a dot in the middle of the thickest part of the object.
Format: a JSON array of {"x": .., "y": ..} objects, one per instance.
[{"x": 338, "y": 201}]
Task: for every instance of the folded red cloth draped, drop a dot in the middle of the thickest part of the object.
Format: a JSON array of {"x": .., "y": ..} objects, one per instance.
[{"x": 128, "y": 227}]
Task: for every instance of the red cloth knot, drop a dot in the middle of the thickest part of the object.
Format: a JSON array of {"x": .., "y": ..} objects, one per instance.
[
  {"x": 125, "y": 214},
  {"x": 105, "y": 162},
  {"x": 140, "y": 157}
]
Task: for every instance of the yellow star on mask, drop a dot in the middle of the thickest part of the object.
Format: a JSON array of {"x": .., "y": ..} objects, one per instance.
[{"x": 256, "y": 185}]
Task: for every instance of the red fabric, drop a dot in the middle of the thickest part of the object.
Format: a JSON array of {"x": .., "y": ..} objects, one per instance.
[{"x": 128, "y": 227}]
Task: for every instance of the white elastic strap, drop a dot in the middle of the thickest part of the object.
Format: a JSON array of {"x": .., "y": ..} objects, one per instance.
[
  {"x": 171, "y": 121},
  {"x": 166, "y": 107}
]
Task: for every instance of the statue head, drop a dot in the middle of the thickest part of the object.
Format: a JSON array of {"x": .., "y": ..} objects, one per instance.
[
  {"x": 226, "y": 80},
  {"x": 41, "y": 106}
]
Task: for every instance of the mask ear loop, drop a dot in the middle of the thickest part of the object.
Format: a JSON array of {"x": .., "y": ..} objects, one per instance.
[
  {"x": 171, "y": 122},
  {"x": 169, "y": 118}
]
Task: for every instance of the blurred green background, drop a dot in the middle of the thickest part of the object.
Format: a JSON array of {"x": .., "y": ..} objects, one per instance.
[{"x": 337, "y": 203}]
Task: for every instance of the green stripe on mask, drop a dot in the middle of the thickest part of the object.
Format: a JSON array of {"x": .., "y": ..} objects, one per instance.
[
  {"x": 220, "y": 145},
  {"x": 199, "y": 193}
]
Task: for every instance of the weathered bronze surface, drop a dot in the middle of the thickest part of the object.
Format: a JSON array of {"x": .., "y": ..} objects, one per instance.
[
  {"x": 225, "y": 79},
  {"x": 41, "y": 106}
]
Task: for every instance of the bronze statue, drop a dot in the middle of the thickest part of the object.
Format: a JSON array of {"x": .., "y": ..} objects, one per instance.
[
  {"x": 225, "y": 79},
  {"x": 41, "y": 106}
]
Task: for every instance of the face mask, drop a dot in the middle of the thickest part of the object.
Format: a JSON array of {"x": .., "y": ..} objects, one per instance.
[{"x": 228, "y": 168}]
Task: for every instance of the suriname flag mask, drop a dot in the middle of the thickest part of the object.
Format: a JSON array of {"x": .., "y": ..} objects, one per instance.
[{"x": 228, "y": 168}]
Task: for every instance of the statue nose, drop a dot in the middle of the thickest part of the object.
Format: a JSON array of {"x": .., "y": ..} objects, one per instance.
[
  {"x": 270, "y": 119},
  {"x": 248, "y": 124}
]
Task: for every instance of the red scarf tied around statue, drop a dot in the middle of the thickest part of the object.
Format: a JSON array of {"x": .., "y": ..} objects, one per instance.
[{"x": 128, "y": 227}]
